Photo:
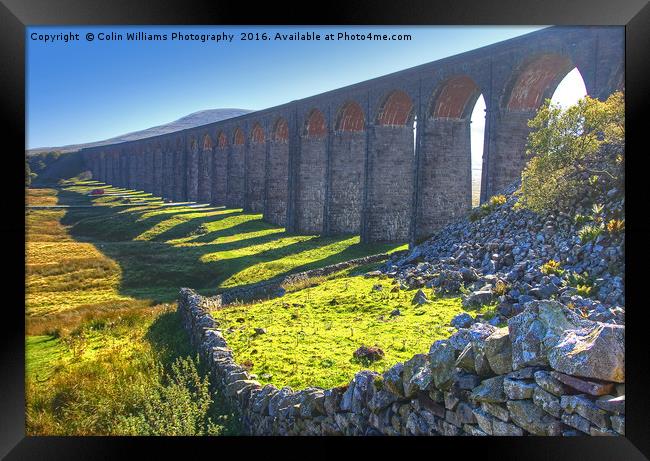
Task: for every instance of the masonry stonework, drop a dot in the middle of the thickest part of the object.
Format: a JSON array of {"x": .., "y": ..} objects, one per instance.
[
  {"x": 256, "y": 167},
  {"x": 219, "y": 176},
  {"x": 310, "y": 193},
  {"x": 205, "y": 175},
  {"x": 348, "y": 153},
  {"x": 158, "y": 172},
  {"x": 236, "y": 177},
  {"x": 180, "y": 178},
  {"x": 168, "y": 174},
  {"x": 277, "y": 183},
  {"x": 192, "y": 165},
  {"x": 389, "y": 184},
  {"x": 356, "y": 177},
  {"x": 445, "y": 182}
]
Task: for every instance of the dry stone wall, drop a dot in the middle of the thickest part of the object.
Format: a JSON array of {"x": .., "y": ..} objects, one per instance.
[{"x": 483, "y": 380}]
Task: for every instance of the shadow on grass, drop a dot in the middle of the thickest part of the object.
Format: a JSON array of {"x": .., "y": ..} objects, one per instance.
[
  {"x": 171, "y": 342},
  {"x": 155, "y": 270},
  {"x": 168, "y": 339}
]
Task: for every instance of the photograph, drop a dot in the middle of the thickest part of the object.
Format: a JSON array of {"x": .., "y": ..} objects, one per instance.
[{"x": 325, "y": 230}]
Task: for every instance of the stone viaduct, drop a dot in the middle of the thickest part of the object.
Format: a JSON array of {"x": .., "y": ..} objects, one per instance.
[{"x": 350, "y": 161}]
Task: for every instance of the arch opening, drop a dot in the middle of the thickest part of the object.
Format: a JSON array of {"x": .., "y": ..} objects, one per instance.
[
  {"x": 570, "y": 89},
  {"x": 238, "y": 138},
  {"x": 257, "y": 134},
  {"x": 397, "y": 109},
  {"x": 477, "y": 141},
  {"x": 536, "y": 81},
  {"x": 316, "y": 126},
  {"x": 281, "y": 130},
  {"x": 222, "y": 140},
  {"x": 207, "y": 142},
  {"x": 351, "y": 118}
]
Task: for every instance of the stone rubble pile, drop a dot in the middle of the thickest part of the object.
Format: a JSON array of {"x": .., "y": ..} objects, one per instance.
[
  {"x": 549, "y": 372},
  {"x": 500, "y": 258}
]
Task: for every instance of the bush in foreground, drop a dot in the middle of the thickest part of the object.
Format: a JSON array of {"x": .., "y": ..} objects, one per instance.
[{"x": 574, "y": 151}]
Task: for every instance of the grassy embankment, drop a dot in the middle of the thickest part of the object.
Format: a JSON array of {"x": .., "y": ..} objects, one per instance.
[
  {"x": 104, "y": 342},
  {"x": 312, "y": 333}
]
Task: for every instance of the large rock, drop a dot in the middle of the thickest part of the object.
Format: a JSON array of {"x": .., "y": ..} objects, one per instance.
[
  {"x": 583, "y": 385},
  {"x": 478, "y": 298},
  {"x": 465, "y": 360},
  {"x": 442, "y": 360},
  {"x": 538, "y": 329},
  {"x": 612, "y": 404},
  {"x": 420, "y": 298},
  {"x": 412, "y": 368},
  {"x": 550, "y": 384},
  {"x": 261, "y": 402},
  {"x": 460, "y": 339},
  {"x": 393, "y": 379},
  {"x": 532, "y": 418},
  {"x": 516, "y": 389},
  {"x": 498, "y": 351},
  {"x": 380, "y": 400},
  {"x": 311, "y": 403},
  {"x": 597, "y": 351},
  {"x": 547, "y": 401},
  {"x": 462, "y": 320},
  {"x": 490, "y": 390},
  {"x": 586, "y": 408},
  {"x": 332, "y": 399},
  {"x": 361, "y": 390}
]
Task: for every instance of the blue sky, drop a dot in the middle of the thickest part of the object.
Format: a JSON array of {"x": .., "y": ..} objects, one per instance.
[{"x": 88, "y": 91}]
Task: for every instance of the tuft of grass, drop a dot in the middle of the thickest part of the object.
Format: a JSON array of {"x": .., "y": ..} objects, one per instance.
[
  {"x": 551, "y": 267},
  {"x": 501, "y": 288},
  {"x": 583, "y": 283},
  {"x": 487, "y": 208},
  {"x": 117, "y": 377},
  {"x": 590, "y": 233},
  {"x": 615, "y": 226}
]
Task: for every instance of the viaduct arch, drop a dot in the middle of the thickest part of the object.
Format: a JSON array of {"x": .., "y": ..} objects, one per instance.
[{"x": 351, "y": 161}]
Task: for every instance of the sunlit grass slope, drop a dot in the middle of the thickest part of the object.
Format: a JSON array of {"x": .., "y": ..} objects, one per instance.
[
  {"x": 312, "y": 333},
  {"x": 102, "y": 277},
  {"x": 80, "y": 258}
]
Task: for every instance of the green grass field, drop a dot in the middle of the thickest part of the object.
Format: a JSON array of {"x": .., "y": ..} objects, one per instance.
[
  {"x": 311, "y": 333},
  {"x": 105, "y": 353}
]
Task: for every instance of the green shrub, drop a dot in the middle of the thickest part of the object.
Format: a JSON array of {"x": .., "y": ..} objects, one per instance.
[
  {"x": 584, "y": 290},
  {"x": 615, "y": 226},
  {"x": 552, "y": 267},
  {"x": 501, "y": 288},
  {"x": 565, "y": 146},
  {"x": 589, "y": 233},
  {"x": 581, "y": 219},
  {"x": 487, "y": 208},
  {"x": 497, "y": 200},
  {"x": 583, "y": 283},
  {"x": 176, "y": 405}
]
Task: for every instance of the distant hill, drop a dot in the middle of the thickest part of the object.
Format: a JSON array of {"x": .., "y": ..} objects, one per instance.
[{"x": 202, "y": 117}]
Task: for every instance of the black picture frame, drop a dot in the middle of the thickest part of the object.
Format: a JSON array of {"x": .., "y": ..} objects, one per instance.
[{"x": 15, "y": 15}]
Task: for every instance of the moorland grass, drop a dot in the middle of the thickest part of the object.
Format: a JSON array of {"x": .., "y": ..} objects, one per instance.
[
  {"x": 120, "y": 377},
  {"x": 105, "y": 353}
]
